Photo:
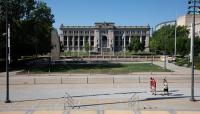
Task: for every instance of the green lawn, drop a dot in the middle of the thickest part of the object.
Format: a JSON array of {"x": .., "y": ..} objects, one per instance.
[
  {"x": 186, "y": 62},
  {"x": 101, "y": 68}
]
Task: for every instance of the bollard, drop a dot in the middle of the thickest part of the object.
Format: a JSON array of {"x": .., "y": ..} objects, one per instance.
[
  {"x": 34, "y": 81},
  {"x": 113, "y": 80},
  {"x": 61, "y": 80},
  {"x": 49, "y": 72},
  {"x": 87, "y": 80},
  {"x": 28, "y": 72},
  {"x": 139, "y": 79}
]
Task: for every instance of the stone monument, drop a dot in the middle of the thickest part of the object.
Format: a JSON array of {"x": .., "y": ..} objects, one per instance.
[{"x": 55, "y": 45}]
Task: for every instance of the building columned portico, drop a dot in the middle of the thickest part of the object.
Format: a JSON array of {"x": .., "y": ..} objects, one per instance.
[{"x": 103, "y": 37}]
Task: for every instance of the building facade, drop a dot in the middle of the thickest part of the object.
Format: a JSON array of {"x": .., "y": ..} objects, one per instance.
[
  {"x": 187, "y": 20},
  {"x": 166, "y": 23},
  {"x": 102, "y": 37}
]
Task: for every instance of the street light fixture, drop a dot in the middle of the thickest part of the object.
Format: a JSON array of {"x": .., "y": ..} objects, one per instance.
[{"x": 193, "y": 9}]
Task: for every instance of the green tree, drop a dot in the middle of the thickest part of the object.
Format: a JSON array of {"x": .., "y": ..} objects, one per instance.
[
  {"x": 165, "y": 36},
  {"x": 197, "y": 46},
  {"x": 135, "y": 44},
  {"x": 31, "y": 22},
  {"x": 87, "y": 47},
  {"x": 43, "y": 20}
]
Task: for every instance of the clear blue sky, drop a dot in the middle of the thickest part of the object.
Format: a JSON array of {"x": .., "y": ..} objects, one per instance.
[{"x": 122, "y": 12}]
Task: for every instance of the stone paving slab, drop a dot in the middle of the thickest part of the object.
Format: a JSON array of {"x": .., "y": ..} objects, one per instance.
[
  {"x": 97, "y": 80},
  {"x": 74, "y": 80},
  {"x": 118, "y": 112},
  {"x": 187, "y": 112},
  {"x": 84, "y": 112},
  {"x": 48, "y": 112},
  {"x": 155, "y": 112},
  {"x": 13, "y": 112}
]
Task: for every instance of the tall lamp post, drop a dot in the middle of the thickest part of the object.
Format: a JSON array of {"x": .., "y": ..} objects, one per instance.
[
  {"x": 165, "y": 51},
  {"x": 175, "y": 35},
  {"x": 194, "y": 6},
  {"x": 7, "y": 55}
]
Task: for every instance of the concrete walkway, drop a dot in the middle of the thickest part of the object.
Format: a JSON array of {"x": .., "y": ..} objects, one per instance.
[{"x": 175, "y": 68}]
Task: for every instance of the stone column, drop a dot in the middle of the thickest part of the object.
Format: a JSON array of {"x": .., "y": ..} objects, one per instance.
[
  {"x": 129, "y": 40},
  {"x": 113, "y": 44},
  {"x": 68, "y": 48},
  {"x": 119, "y": 42},
  {"x": 78, "y": 42},
  {"x": 96, "y": 37},
  {"x": 83, "y": 43},
  {"x": 73, "y": 42},
  {"x": 140, "y": 38},
  {"x": 147, "y": 44},
  {"x": 111, "y": 39},
  {"x": 124, "y": 43},
  {"x": 89, "y": 40}
]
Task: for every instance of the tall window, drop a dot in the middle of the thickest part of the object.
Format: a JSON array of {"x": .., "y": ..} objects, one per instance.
[
  {"x": 116, "y": 41},
  {"x": 92, "y": 40},
  {"x": 127, "y": 40},
  {"x": 76, "y": 40},
  {"x": 81, "y": 40},
  {"x": 65, "y": 40},
  {"x": 70, "y": 40}
]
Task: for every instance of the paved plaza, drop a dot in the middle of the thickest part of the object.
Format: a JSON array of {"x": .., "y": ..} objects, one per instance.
[{"x": 100, "y": 94}]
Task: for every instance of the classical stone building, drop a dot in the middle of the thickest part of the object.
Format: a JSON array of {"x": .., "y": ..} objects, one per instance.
[{"x": 103, "y": 37}]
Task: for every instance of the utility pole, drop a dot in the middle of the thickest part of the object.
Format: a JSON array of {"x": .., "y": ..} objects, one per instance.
[{"x": 194, "y": 7}]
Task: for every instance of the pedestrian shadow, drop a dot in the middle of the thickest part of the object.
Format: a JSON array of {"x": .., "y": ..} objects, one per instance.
[
  {"x": 84, "y": 96},
  {"x": 171, "y": 93},
  {"x": 177, "y": 94},
  {"x": 169, "y": 97},
  {"x": 174, "y": 90}
]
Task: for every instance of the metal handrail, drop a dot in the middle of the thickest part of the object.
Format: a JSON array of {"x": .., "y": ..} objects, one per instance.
[{"x": 69, "y": 101}]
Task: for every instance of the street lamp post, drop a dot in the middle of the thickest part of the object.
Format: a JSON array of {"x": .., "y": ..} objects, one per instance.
[
  {"x": 7, "y": 63},
  {"x": 175, "y": 34},
  {"x": 194, "y": 8},
  {"x": 101, "y": 46},
  {"x": 165, "y": 67}
]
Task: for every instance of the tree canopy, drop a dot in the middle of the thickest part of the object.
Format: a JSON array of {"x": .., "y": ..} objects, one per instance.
[
  {"x": 135, "y": 44},
  {"x": 31, "y": 22},
  {"x": 165, "y": 36}
]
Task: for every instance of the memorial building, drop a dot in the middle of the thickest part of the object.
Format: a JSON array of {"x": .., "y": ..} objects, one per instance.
[{"x": 102, "y": 37}]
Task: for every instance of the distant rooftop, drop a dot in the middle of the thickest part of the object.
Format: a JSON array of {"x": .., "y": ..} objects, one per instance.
[{"x": 103, "y": 24}]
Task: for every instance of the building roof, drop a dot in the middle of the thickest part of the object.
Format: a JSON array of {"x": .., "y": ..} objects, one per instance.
[{"x": 104, "y": 24}]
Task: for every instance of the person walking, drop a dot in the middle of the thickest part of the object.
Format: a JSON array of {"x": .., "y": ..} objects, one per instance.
[
  {"x": 154, "y": 86},
  {"x": 151, "y": 83},
  {"x": 165, "y": 87}
]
